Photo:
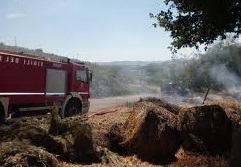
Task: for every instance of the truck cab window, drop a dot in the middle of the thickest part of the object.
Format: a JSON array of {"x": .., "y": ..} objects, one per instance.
[{"x": 81, "y": 75}]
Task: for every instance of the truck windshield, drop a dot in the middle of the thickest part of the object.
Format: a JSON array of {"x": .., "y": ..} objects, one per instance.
[{"x": 81, "y": 75}]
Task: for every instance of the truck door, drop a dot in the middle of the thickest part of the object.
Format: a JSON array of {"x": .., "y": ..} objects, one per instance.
[
  {"x": 82, "y": 84},
  {"x": 55, "y": 83}
]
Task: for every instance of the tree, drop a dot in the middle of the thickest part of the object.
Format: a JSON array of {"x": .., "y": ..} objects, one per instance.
[{"x": 195, "y": 22}]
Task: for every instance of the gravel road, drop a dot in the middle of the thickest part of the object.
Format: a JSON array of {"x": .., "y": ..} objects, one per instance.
[
  {"x": 105, "y": 103},
  {"x": 111, "y": 102}
]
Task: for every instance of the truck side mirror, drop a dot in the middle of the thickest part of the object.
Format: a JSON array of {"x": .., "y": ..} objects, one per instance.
[{"x": 90, "y": 76}]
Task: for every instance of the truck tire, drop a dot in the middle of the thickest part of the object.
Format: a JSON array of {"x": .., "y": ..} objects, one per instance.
[
  {"x": 2, "y": 115},
  {"x": 72, "y": 108}
]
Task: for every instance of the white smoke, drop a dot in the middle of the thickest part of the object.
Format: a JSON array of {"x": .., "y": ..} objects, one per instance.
[{"x": 228, "y": 79}]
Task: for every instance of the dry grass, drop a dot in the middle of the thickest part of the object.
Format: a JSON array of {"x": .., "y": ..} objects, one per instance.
[
  {"x": 23, "y": 154},
  {"x": 186, "y": 159}
]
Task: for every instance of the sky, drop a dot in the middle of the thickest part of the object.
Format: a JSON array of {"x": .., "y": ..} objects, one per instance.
[{"x": 89, "y": 30}]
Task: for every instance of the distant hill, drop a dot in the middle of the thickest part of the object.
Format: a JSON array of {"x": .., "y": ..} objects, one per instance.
[
  {"x": 33, "y": 52},
  {"x": 129, "y": 63},
  {"x": 40, "y": 53}
]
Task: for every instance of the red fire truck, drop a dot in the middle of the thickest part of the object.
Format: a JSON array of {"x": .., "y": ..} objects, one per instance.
[{"x": 30, "y": 83}]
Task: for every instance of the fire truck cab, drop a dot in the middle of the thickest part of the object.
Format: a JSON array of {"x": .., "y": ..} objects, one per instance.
[{"x": 30, "y": 83}]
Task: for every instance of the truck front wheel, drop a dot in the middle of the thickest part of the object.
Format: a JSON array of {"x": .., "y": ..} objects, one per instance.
[{"x": 72, "y": 108}]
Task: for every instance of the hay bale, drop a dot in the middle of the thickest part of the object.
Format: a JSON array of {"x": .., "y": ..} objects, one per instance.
[
  {"x": 81, "y": 146},
  {"x": 109, "y": 158},
  {"x": 162, "y": 103},
  {"x": 232, "y": 109},
  {"x": 4, "y": 131},
  {"x": 205, "y": 129},
  {"x": 67, "y": 125},
  {"x": 59, "y": 126},
  {"x": 150, "y": 133},
  {"x": 55, "y": 120},
  {"x": 39, "y": 137},
  {"x": 235, "y": 157},
  {"x": 18, "y": 154},
  {"x": 70, "y": 138},
  {"x": 84, "y": 150},
  {"x": 115, "y": 136}
]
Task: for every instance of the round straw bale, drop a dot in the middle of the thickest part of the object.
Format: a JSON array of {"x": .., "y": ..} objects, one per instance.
[
  {"x": 150, "y": 132},
  {"x": 162, "y": 103},
  {"x": 235, "y": 157},
  {"x": 232, "y": 109},
  {"x": 206, "y": 129}
]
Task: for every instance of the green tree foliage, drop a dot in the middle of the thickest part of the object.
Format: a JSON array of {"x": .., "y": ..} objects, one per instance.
[
  {"x": 156, "y": 73},
  {"x": 107, "y": 82},
  {"x": 162, "y": 72},
  {"x": 218, "y": 68},
  {"x": 195, "y": 22},
  {"x": 117, "y": 80},
  {"x": 195, "y": 75}
]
